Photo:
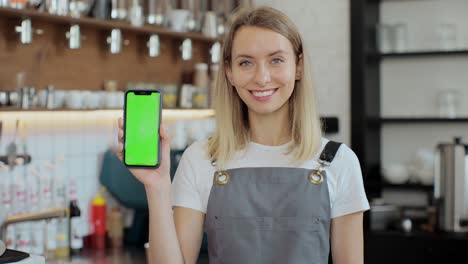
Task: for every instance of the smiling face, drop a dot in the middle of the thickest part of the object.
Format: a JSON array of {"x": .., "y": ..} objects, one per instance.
[{"x": 263, "y": 69}]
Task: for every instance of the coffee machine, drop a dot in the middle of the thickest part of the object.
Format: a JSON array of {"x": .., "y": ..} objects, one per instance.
[{"x": 451, "y": 186}]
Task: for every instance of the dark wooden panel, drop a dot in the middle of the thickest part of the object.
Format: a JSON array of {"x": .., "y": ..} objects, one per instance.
[{"x": 48, "y": 60}]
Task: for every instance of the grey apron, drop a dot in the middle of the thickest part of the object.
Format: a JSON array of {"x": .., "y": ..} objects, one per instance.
[{"x": 270, "y": 214}]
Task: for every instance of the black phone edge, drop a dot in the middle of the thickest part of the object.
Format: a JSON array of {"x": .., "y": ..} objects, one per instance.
[{"x": 158, "y": 164}]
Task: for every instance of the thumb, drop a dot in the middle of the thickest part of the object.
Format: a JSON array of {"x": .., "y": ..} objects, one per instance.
[{"x": 165, "y": 142}]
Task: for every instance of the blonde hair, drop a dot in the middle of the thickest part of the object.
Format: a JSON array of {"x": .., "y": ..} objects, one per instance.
[{"x": 232, "y": 131}]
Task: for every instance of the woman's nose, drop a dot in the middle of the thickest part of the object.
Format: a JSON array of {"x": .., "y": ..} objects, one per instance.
[{"x": 262, "y": 76}]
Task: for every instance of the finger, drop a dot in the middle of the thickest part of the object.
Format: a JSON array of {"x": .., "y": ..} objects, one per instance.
[
  {"x": 163, "y": 133},
  {"x": 119, "y": 151},
  {"x": 120, "y": 135},
  {"x": 120, "y": 122},
  {"x": 165, "y": 142}
]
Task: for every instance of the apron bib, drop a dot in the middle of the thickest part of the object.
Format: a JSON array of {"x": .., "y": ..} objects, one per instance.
[{"x": 270, "y": 214}]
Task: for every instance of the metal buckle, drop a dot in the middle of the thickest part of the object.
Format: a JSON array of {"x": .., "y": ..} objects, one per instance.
[
  {"x": 221, "y": 177},
  {"x": 316, "y": 176},
  {"x": 324, "y": 163}
]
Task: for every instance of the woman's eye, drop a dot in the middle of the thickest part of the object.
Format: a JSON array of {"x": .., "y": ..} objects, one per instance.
[
  {"x": 245, "y": 63},
  {"x": 277, "y": 61}
]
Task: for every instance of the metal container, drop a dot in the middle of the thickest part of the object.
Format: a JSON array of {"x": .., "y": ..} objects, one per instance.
[
  {"x": 115, "y": 41},
  {"x": 13, "y": 98},
  {"x": 25, "y": 31},
  {"x": 154, "y": 46},
  {"x": 74, "y": 37},
  {"x": 451, "y": 186},
  {"x": 3, "y": 98},
  {"x": 186, "y": 49}
]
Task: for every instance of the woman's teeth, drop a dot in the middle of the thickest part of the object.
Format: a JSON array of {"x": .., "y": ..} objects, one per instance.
[{"x": 263, "y": 93}]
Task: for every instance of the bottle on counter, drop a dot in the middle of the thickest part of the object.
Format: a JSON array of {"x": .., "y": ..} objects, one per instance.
[
  {"x": 51, "y": 238},
  {"x": 46, "y": 202},
  {"x": 115, "y": 228},
  {"x": 98, "y": 221},
  {"x": 62, "y": 251},
  {"x": 76, "y": 238}
]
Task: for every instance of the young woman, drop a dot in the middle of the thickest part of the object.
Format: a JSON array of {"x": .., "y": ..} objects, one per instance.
[{"x": 266, "y": 187}]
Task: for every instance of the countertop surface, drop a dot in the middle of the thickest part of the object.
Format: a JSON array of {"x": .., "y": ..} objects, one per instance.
[{"x": 126, "y": 255}]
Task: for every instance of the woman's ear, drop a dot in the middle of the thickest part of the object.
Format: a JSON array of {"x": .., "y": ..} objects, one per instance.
[
  {"x": 228, "y": 72},
  {"x": 299, "y": 67}
]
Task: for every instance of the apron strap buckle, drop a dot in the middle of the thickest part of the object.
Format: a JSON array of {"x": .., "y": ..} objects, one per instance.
[
  {"x": 221, "y": 178},
  {"x": 316, "y": 176}
]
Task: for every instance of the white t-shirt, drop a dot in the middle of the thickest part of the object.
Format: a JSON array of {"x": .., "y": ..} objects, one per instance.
[{"x": 194, "y": 177}]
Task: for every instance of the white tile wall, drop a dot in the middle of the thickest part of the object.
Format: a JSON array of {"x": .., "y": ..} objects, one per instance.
[
  {"x": 410, "y": 86},
  {"x": 78, "y": 137},
  {"x": 324, "y": 26}
]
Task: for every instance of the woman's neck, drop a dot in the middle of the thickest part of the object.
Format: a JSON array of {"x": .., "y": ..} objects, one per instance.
[{"x": 271, "y": 129}]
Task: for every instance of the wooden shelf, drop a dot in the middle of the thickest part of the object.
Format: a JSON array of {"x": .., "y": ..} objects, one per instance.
[
  {"x": 72, "y": 114},
  {"x": 416, "y": 120},
  {"x": 102, "y": 24},
  {"x": 428, "y": 53},
  {"x": 408, "y": 186},
  {"x": 15, "y": 109}
]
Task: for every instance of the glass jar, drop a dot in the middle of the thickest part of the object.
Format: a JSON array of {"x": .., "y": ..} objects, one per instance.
[
  {"x": 169, "y": 95},
  {"x": 201, "y": 83}
]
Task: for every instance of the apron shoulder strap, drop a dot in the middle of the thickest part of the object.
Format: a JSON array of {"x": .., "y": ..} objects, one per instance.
[{"x": 329, "y": 152}]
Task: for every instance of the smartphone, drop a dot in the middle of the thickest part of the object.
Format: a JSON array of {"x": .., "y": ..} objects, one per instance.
[{"x": 142, "y": 116}]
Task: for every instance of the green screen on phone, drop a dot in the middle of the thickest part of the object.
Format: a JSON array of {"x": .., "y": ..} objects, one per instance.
[{"x": 142, "y": 112}]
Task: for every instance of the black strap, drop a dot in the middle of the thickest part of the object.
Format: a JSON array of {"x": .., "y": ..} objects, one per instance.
[{"x": 329, "y": 152}]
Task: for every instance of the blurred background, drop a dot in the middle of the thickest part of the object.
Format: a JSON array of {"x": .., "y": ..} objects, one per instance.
[{"x": 391, "y": 83}]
